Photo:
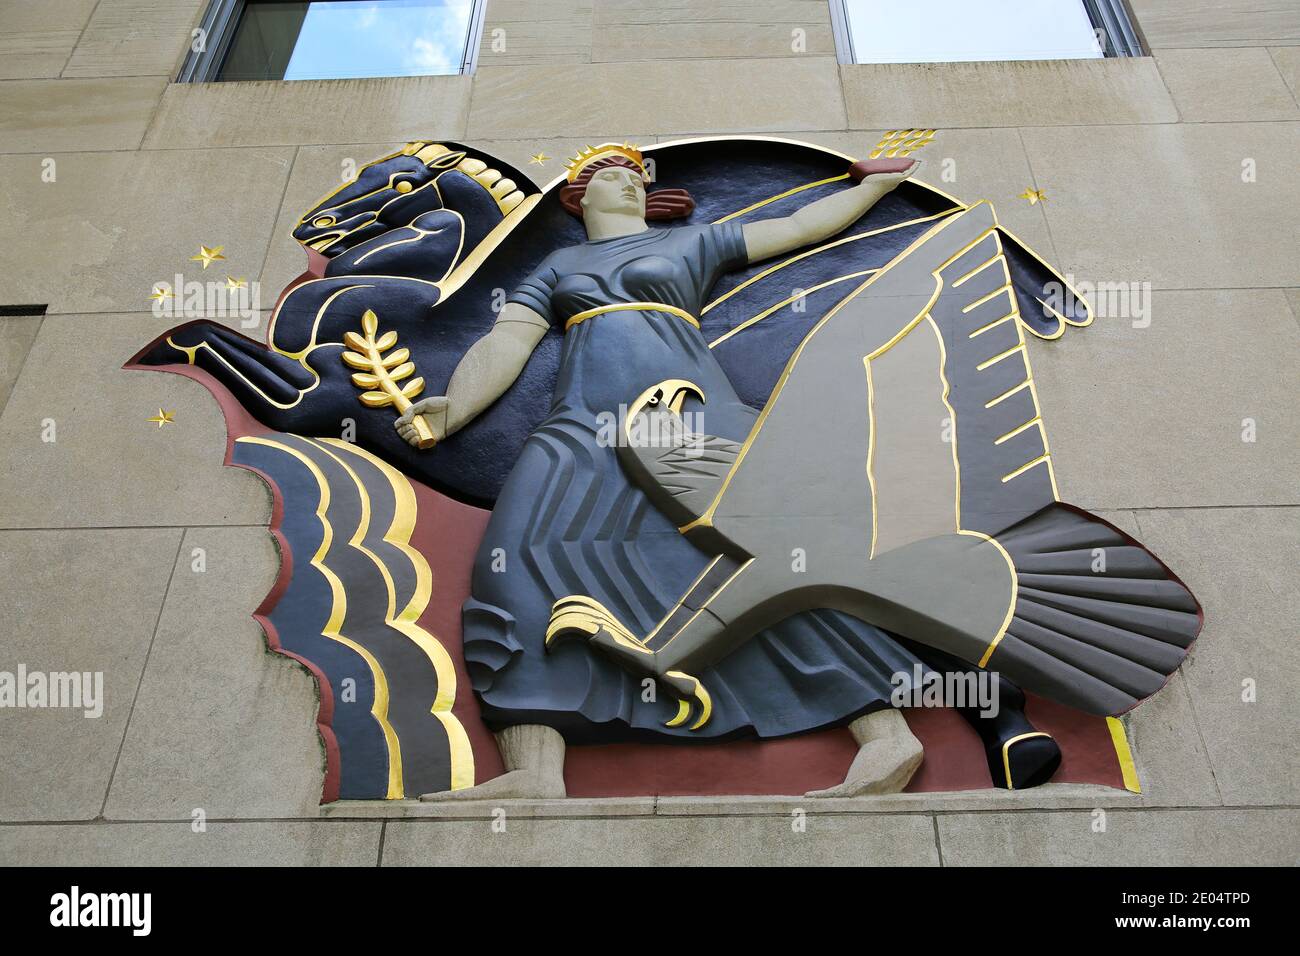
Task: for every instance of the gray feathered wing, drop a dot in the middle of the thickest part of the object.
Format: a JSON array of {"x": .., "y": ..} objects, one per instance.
[{"x": 907, "y": 418}]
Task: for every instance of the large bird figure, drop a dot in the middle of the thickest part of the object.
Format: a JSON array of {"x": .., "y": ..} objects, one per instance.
[{"x": 956, "y": 541}]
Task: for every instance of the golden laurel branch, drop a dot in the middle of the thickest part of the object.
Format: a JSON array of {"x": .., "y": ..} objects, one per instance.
[
  {"x": 380, "y": 374},
  {"x": 901, "y": 142}
]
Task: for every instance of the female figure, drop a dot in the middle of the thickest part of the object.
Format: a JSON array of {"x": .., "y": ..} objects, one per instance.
[{"x": 570, "y": 521}]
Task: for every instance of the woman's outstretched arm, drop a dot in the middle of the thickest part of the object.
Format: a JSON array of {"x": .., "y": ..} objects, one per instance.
[
  {"x": 481, "y": 377},
  {"x": 821, "y": 219}
]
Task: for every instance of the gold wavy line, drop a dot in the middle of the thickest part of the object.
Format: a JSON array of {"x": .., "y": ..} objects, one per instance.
[
  {"x": 399, "y": 536},
  {"x": 338, "y": 611}
]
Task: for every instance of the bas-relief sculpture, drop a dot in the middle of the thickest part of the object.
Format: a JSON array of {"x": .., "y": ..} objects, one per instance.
[{"x": 757, "y": 434}]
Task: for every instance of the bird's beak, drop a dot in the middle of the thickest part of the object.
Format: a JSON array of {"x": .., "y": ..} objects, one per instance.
[{"x": 670, "y": 393}]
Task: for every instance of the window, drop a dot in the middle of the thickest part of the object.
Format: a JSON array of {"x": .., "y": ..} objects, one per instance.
[
  {"x": 946, "y": 31},
  {"x": 334, "y": 39}
]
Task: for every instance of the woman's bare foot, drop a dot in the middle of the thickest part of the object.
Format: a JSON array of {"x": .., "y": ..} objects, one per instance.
[
  {"x": 534, "y": 759},
  {"x": 888, "y": 755}
]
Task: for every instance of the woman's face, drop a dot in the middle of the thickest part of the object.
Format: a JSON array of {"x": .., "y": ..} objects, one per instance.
[{"x": 615, "y": 189}]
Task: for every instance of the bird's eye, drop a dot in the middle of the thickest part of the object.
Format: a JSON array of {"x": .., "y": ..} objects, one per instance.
[
  {"x": 403, "y": 187},
  {"x": 323, "y": 222}
]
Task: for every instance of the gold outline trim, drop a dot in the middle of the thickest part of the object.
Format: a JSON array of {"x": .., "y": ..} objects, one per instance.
[
  {"x": 1008, "y": 288},
  {"x": 996, "y": 322},
  {"x": 755, "y": 319},
  {"x": 1007, "y": 394},
  {"x": 779, "y": 196},
  {"x": 703, "y": 607},
  {"x": 940, "y": 285},
  {"x": 685, "y": 594},
  {"x": 822, "y": 248},
  {"x": 1044, "y": 457},
  {"x": 631, "y": 307},
  {"x": 1017, "y": 430},
  {"x": 1119, "y": 740},
  {"x": 1006, "y": 752},
  {"x": 1087, "y": 306}
]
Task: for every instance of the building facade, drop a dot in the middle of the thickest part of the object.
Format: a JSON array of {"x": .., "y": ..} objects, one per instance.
[{"x": 1163, "y": 185}]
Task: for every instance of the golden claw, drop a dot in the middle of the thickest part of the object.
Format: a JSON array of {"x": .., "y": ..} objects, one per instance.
[
  {"x": 580, "y": 615},
  {"x": 692, "y": 692},
  {"x": 683, "y": 711}
]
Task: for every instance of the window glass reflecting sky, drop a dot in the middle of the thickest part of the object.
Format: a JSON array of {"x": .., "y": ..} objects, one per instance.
[
  {"x": 923, "y": 31},
  {"x": 345, "y": 38}
]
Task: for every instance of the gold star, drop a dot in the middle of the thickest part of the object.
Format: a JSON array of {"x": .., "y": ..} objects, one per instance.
[
  {"x": 540, "y": 159},
  {"x": 1034, "y": 196},
  {"x": 163, "y": 418},
  {"x": 161, "y": 294},
  {"x": 208, "y": 256},
  {"x": 233, "y": 283}
]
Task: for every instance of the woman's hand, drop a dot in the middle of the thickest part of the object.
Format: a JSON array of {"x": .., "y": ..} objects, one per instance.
[
  {"x": 884, "y": 173},
  {"x": 481, "y": 377},
  {"x": 434, "y": 412}
]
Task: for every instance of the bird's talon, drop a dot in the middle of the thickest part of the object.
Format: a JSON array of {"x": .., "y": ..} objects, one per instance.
[
  {"x": 683, "y": 711},
  {"x": 692, "y": 694}
]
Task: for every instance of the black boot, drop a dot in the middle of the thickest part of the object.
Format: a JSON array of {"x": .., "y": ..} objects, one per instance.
[{"x": 1019, "y": 756}]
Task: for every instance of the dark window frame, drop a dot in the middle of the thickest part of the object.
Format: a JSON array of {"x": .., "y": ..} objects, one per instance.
[
  {"x": 221, "y": 20},
  {"x": 1112, "y": 16}
]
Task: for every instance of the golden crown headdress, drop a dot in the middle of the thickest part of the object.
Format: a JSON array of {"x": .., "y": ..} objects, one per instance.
[{"x": 589, "y": 154}]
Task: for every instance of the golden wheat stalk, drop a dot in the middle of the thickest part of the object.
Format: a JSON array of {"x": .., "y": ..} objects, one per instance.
[
  {"x": 380, "y": 374},
  {"x": 901, "y": 142}
]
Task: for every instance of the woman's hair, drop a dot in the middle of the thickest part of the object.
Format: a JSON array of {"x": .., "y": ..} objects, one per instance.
[{"x": 660, "y": 204}]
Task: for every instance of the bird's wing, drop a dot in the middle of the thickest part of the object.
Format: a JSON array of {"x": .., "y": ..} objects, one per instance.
[
  {"x": 1004, "y": 470},
  {"x": 1095, "y": 620}
]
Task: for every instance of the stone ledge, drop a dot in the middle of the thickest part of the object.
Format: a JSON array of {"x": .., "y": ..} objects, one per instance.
[
  {"x": 486, "y": 809},
  {"x": 261, "y": 843},
  {"x": 1050, "y": 797}
]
